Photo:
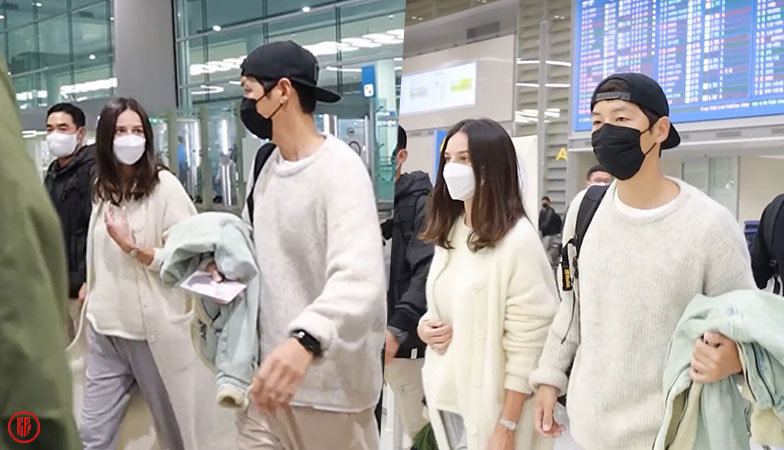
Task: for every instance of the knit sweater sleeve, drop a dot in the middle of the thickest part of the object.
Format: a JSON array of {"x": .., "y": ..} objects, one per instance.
[
  {"x": 176, "y": 207},
  {"x": 727, "y": 261},
  {"x": 351, "y": 307},
  {"x": 563, "y": 337},
  {"x": 530, "y": 307}
]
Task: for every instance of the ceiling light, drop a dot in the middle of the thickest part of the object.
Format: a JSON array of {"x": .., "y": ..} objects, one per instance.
[
  {"x": 92, "y": 57},
  {"x": 207, "y": 89},
  {"x": 216, "y": 27},
  {"x": 399, "y": 68},
  {"x": 306, "y": 9},
  {"x": 343, "y": 69},
  {"x": 38, "y": 4},
  {"x": 391, "y": 16},
  {"x": 2, "y": 17},
  {"x": 398, "y": 58},
  {"x": 235, "y": 82},
  {"x": 111, "y": 18}
]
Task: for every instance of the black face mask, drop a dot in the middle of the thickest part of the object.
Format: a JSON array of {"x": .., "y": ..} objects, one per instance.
[
  {"x": 254, "y": 121},
  {"x": 618, "y": 149}
]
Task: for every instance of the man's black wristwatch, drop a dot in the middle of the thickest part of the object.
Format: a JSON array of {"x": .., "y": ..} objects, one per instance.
[{"x": 310, "y": 343}]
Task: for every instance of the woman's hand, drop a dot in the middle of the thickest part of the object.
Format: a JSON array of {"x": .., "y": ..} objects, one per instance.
[
  {"x": 118, "y": 229},
  {"x": 502, "y": 439},
  {"x": 435, "y": 334}
]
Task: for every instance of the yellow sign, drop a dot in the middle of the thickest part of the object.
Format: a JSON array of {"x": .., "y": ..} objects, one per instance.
[{"x": 562, "y": 154}]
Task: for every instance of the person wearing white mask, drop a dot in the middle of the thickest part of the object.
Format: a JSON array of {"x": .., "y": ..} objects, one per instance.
[
  {"x": 137, "y": 332},
  {"x": 69, "y": 181},
  {"x": 491, "y": 297}
]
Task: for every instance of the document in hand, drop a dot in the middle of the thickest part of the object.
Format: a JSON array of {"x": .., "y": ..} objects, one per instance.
[{"x": 202, "y": 284}]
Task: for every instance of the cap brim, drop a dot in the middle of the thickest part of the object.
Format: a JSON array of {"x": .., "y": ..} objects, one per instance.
[
  {"x": 325, "y": 96},
  {"x": 673, "y": 139},
  {"x": 321, "y": 94}
]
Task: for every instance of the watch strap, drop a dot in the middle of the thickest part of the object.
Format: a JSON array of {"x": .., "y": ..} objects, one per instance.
[
  {"x": 508, "y": 424},
  {"x": 310, "y": 343}
]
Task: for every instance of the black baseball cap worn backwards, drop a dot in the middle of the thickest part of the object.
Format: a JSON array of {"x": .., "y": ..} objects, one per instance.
[
  {"x": 645, "y": 92},
  {"x": 287, "y": 59}
]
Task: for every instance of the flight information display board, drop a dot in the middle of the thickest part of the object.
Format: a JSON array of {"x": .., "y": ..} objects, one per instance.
[{"x": 715, "y": 59}]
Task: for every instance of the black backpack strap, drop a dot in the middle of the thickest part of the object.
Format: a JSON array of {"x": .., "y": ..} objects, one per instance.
[
  {"x": 588, "y": 206},
  {"x": 262, "y": 155},
  {"x": 772, "y": 213}
]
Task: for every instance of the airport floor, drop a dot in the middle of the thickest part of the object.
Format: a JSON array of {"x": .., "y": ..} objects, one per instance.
[{"x": 392, "y": 437}]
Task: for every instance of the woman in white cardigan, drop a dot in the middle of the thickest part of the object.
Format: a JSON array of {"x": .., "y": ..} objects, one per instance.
[
  {"x": 491, "y": 297},
  {"x": 136, "y": 329}
]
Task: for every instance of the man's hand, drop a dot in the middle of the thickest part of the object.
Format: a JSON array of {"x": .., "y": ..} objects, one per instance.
[
  {"x": 546, "y": 397},
  {"x": 82, "y": 293},
  {"x": 280, "y": 375},
  {"x": 435, "y": 334},
  {"x": 502, "y": 439},
  {"x": 212, "y": 268},
  {"x": 391, "y": 347},
  {"x": 715, "y": 358}
]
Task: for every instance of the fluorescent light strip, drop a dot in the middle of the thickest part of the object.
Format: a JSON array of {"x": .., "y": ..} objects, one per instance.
[
  {"x": 343, "y": 69},
  {"x": 536, "y": 61},
  {"x": 549, "y": 85}
]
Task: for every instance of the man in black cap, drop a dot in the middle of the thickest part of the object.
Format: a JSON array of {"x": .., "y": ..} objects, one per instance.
[
  {"x": 653, "y": 244},
  {"x": 319, "y": 247}
]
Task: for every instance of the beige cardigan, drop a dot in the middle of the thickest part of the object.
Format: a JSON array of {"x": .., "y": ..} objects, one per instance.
[
  {"x": 167, "y": 317},
  {"x": 513, "y": 302}
]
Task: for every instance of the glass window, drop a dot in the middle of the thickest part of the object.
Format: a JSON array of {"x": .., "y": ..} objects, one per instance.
[
  {"x": 49, "y": 8},
  {"x": 372, "y": 30},
  {"x": 226, "y": 51},
  {"x": 79, "y": 3},
  {"x": 26, "y": 90},
  {"x": 53, "y": 42},
  {"x": 3, "y": 50},
  {"x": 218, "y": 15},
  {"x": 316, "y": 32},
  {"x": 190, "y": 17},
  {"x": 21, "y": 14},
  {"x": 278, "y": 7},
  {"x": 22, "y": 56},
  {"x": 194, "y": 61},
  {"x": 91, "y": 33},
  {"x": 92, "y": 79},
  {"x": 53, "y": 83}
]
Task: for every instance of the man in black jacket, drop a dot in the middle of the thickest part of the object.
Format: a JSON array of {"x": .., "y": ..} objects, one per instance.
[
  {"x": 767, "y": 249},
  {"x": 69, "y": 182},
  {"x": 550, "y": 228},
  {"x": 406, "y": 302}
]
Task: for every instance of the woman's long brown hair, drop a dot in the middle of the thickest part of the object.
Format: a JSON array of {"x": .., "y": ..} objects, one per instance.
[
  {"x": 497, "y": 203},
  {"x": 110, "y": 186}
]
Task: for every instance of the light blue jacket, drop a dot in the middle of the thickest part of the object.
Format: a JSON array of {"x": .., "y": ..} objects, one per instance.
[
  {"x": 717, "y": 416},
  {"x": 227, "y": 336}
]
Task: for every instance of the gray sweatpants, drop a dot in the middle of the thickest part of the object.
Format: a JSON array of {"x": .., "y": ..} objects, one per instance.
[
  {"x": 114, "y": 366},
  {"x": 455, "y": 430}
]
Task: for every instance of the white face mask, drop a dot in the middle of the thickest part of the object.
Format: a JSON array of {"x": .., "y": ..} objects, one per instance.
[
  {"x": 129, "y": 148},
  {"x": 61, "y": 144},
  {"x": 459, "y": 181}
]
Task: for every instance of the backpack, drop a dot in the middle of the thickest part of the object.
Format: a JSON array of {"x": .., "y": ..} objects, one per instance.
[
  {"x": 768, "y": 227},
  {"x": 588, "y": 206},
  {"x": 262, "y": 155}
]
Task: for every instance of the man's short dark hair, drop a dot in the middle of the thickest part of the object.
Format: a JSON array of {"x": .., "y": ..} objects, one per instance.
[
  {"x": 546, "y": 198},
  {"x": 402, "y": 141},
  {"x": 618, "y": 85},
  {"x": 72, "y": 110},
  {"x": 307, "y": 98},
  {"x": 593, "y": 170},
  {"x": 402, "y": 138}
]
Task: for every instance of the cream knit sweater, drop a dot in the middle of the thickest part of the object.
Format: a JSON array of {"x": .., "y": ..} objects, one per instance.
[
  {"x": 637, "y": 274},
  {"x": 319, "y": 246}
]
